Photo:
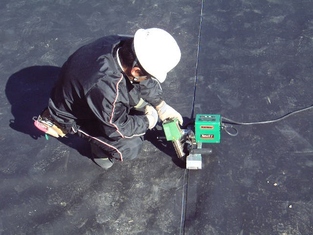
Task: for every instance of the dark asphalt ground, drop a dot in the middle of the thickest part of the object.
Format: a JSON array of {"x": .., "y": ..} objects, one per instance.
[{"x": 247, "y": 60}]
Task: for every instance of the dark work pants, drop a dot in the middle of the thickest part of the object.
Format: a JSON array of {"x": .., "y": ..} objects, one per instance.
[{"x": 123, "y": 149}]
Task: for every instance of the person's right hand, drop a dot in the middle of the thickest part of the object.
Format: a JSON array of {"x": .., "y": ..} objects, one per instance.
[
  {"x": 165, "y": 111},
  {"x": 152, "y": 116}
]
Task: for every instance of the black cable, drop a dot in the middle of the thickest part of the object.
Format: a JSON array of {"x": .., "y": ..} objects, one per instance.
[
  {"x": 229, "y": 121},
  {"x": 233, "y": 131}
]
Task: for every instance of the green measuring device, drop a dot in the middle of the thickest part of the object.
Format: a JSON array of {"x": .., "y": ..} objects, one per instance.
[{"x": 208, "y": 128}]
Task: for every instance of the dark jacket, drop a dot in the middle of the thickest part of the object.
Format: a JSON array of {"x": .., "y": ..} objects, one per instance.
[{"x": 93, "y": 94}]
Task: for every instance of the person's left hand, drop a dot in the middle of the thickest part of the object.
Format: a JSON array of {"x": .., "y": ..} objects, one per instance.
[{"x": 165, "y": 111}]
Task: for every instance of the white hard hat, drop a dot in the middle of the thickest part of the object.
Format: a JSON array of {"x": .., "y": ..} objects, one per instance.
[{"x": 157, "y": 51}]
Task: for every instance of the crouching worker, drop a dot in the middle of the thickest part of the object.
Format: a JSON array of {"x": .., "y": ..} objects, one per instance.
[{"x": 101, "y": 84}]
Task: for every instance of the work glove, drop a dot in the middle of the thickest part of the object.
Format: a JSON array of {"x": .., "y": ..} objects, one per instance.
[
  {"x": 165, "y": 111},
  {"x": 152, "y": 116}
]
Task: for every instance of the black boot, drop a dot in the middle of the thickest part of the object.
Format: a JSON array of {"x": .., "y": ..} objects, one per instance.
[{"x": 99, "y": 157}]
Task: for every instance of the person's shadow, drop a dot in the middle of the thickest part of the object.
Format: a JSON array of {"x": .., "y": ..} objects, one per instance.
[{"x": 28, "y": 92}]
